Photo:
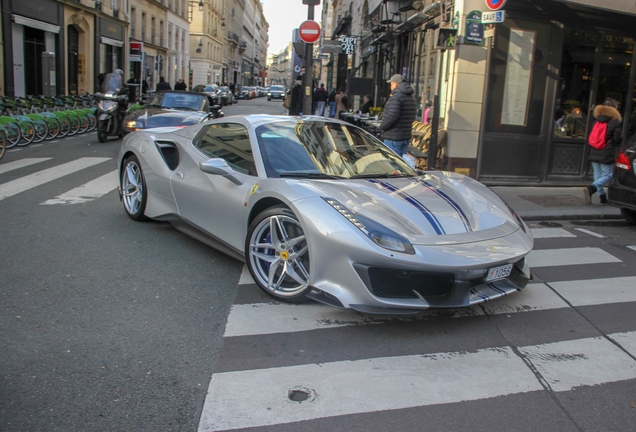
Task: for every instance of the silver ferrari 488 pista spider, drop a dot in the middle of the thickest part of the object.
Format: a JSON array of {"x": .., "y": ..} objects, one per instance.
[{"x": 320, "y": 209}]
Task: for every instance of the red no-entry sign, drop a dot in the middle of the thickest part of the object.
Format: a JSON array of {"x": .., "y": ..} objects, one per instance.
[{"x": 309, "y": 31}]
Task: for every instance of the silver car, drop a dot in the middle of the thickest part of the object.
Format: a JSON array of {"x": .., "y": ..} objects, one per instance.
[{"x": 320, "y": 209}]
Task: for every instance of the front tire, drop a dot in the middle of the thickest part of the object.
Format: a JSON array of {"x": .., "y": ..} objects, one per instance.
[
  {"x": 133, "y": 189},
  {"x": 102, "y": 130},
  {"x": 277, "y": 255}
]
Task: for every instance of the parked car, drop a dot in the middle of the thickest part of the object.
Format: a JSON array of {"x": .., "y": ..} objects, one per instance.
[
  {"x": 172, "y": 108},
  {"x": 321, "y": 209},
  {"x": 276, "y": 92},
  {"x": 225, "y": 96},
  {"x": 622, "y": 188},
  {"x": 245, "y": 93},
  {"x": 209, "y": 89},
  {"x": 253, "y": 91}
]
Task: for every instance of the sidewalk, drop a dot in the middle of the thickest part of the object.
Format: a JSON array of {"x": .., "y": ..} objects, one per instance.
[{"x": 554, "y": 203}]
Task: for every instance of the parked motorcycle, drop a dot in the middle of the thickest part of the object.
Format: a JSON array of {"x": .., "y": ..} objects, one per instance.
[{"x": 112, "y": 106}]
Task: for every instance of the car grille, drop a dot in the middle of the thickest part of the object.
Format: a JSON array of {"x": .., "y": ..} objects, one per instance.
[{"x": 392, "y": 283}]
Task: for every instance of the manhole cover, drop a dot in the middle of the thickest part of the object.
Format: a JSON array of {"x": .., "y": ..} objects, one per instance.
[
  {"x": 301, "y": 394},
  {"x": 554, "y": 200}
]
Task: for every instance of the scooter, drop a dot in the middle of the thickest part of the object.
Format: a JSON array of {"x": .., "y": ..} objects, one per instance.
[{"x": 111, "y": 110}]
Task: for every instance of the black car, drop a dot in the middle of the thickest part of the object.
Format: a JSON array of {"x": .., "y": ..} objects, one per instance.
[
  {"x": 171, "y": 108},
  {"x": 276, "y": 92},
  {"x": 211, "y": 90},
  {"x": 622, "y": 188},
  {"x": 245, "y": 93},
  {"x": 225, "y": 96}
]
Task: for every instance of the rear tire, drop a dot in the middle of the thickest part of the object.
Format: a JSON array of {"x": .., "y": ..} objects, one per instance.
[
  {"x": 41, "y": 130},
  {"x": 133, "y": 189},
  {"x": 54, "y": 128},
  {"x": 14, "y": 134},
  {"x": 3, "y": 143}
]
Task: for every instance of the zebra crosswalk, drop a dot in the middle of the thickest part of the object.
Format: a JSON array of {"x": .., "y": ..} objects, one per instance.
[
  {"x": 83, "y": 193},
  {"x": 298, "y": 365}
]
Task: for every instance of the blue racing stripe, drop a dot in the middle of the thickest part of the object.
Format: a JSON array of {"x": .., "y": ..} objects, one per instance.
[
  {"x": 437, "y": 226},
  {"x": 451, "y": 202}
]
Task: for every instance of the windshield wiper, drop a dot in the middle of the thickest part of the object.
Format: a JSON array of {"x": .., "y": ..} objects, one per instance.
[
  {"x": 379, "y": 175},
  {"x": 183, "y": 108},
  {"x": 317, "y": 175},
  {"x": 154, "y": 106}
]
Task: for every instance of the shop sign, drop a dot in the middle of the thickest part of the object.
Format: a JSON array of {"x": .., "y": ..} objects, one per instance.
[
  {"x": 136, "y": 51},
  {"x": 493, "y": 17},
  {"x": 331, "y": 46},
  {"x": 474, "y": 28},
  {"x": 348, "y": 44}
]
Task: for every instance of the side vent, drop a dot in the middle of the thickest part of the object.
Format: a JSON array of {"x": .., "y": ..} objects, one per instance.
[{"x": 169, "y": 153}]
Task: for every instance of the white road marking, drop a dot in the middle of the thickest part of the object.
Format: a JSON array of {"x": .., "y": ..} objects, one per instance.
[
  {"x": 41, "y": 177},
  {"x": 626, "y": 340},
  {"x": 569, "y": 256},
  {"x": 632, "y": 247},
  {"x": 259, "y": 397},
  {"x": 87, "y": 192},
  {"x": 597, "y": 291},
  {"x": 10, "y": 166},
  {"x": 269, "y": 318},
  {"x": 550, "y": 233},
  {"x": 246, "y": 277},
  {"x": 566, "y": 365},
  {"x": 592, "y": 233}
]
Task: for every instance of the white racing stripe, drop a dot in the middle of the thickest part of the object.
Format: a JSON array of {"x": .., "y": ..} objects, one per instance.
[
  {"x": 598, "y": 291},
  {"x": 538, "y": 233},
  {"x": 569, "y": 256},
  {"x": 41, "y": 177},
  {"x": 260, "y": 397},
  {"x": 87, "y": 192},
  {"x": 269, "y": 318},
  {"x": 10, "y": 166}
]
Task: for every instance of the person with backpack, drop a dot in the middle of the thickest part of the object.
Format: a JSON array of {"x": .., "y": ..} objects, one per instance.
[{"x": 604, "y": 139}]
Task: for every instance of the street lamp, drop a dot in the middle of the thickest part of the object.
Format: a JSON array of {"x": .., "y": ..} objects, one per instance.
[{"x": 191, "y": 8}]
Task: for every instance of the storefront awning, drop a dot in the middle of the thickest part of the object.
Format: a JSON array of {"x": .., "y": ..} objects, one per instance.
[
  {"x": 109, "y": 41},
  {"x": 40, "y": 25}
]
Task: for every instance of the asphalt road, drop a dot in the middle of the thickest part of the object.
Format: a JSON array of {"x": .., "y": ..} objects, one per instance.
[
  {"x": 111, "y": 325},
  {"x": 105, "y": 324}
]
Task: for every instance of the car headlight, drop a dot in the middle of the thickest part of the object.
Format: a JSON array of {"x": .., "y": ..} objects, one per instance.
[
  {"x": 269, "y": 94},
  {"x": 134, "y": 124},
  {"x": 380, "y": 234}
]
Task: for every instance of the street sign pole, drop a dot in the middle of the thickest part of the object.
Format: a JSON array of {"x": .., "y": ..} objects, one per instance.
[{"x": 308, "y": 78}]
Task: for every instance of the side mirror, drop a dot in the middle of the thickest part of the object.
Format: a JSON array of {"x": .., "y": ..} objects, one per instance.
[{"x": 218, "y": 166}]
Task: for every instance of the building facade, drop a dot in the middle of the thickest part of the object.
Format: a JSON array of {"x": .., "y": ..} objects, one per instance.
[{"x": 516, "y": 97}]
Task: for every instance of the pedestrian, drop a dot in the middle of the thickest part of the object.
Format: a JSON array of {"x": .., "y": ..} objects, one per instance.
[
  {"x": 342, "y": 102},
  {"x": 321, "y": 99},
  {"x": 144, "y": 86},
  {"x": 180, "y": 85},
  {"x": 296, "y": 97},
  {"x": 368, "y": 103},
  {"x": 398, "y": 115},
  {"x": 163, "y": 84},
  {"x": 427, "y": 113},
  {"x": 100, "y": 82},
  {"x": 604, "y": 139},
  {"x": 332, "y": 103}
]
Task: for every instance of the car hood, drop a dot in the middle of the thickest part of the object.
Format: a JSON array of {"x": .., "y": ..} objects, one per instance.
[
  {"x": 434, "y": 209},
  {"x": 161, "y": 117}
]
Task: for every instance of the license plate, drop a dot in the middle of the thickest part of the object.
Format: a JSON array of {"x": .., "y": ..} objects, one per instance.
[{"x": 499, "y": 272}]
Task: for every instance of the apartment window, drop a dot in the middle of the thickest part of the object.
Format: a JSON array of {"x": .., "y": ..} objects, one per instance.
[
  {"x": 133, "y": 22},
  {"x": 170, "y": 35},
  {"x": 153, "y": 21},
  {"x": 143, "y": 26},
  {"x": 161, "y": 33},
  {"x": 170, "y": 4},
  {"x": 113, "y": 5}
]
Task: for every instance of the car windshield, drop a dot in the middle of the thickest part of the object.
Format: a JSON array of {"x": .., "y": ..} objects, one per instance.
[
  {"x": 179, "y": 100},
  {"x": 323, "y": 149},
  {"x": 277, "y": 88},
  {"x": 224, "y": 89}
]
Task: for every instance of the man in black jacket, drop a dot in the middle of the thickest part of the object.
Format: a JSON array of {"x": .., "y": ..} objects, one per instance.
[
  {"x": 163, "y": 84},
  {"x": 603, "y": 159},
  {"x": 398, "y": 115}
]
